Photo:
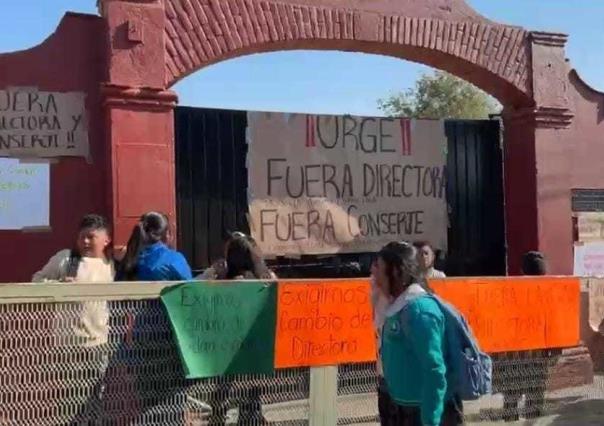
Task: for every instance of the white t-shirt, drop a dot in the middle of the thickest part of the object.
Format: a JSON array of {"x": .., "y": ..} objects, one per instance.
[
  {"x": 90, "y": 326},
  {"x": 93, "y": 326},
  {"x": 430, "y": 273},
  {"x": 435, "y": 273}
]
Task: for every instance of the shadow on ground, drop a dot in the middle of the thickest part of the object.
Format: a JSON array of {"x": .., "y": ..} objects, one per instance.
[{"x": 584, "y": 413}]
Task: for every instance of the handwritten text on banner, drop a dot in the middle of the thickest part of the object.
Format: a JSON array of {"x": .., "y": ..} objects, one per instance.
[
  {"x": 223, "y": 328},
  {"x": 515, "y": 314},
  {"x": 324, "y": 323},
  {"x": 24, "y": 194},
  {"x": 42, "y": 124},
  {"x": 589, "y": 259},
  {"x": 326, "y": 184}
]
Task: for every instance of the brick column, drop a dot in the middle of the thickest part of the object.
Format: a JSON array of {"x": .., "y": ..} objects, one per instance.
[
  {"x": 138, "y": 113},
  {"x": 140, "y": 138},
  {"x": 538, "y": 188},
  {"x": 538, "y": 199}
]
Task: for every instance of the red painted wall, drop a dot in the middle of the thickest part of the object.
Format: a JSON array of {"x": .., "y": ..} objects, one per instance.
[
  {"x": 565, "y": 159},
  {"x": 586, "y": 147},
  {"x": 131, "y": 130},
  {"x": 69, "y": 60},
  {"x": 520, "y": 196}
]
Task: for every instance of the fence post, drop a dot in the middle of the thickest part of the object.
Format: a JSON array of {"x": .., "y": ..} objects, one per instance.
[{"x": 323, "y": 396}]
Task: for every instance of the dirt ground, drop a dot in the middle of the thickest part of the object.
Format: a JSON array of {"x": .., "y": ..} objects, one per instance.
[{"x": 581, "y": 406}]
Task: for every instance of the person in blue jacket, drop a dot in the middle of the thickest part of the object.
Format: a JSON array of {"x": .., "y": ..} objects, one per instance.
[
  {"x": 413, "y": 345},
  {"x": 148, "y": 257}
]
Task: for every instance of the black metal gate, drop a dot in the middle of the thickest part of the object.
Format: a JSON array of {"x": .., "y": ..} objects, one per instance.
[{"x": 211, "y": 179}]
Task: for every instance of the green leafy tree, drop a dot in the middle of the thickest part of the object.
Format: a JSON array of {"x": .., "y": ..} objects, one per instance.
[{"x": 440, "y": 95}]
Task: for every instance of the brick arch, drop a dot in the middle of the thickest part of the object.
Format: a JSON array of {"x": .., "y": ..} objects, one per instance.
[
  {"x": 493, "y": 56},
  {"x": 151, "y": 44}
]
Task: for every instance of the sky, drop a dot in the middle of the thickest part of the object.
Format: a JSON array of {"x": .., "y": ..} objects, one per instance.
[{"x": 328, "y": 82}]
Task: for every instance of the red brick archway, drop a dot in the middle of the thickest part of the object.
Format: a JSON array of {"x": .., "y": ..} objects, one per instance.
[
  {"x": 125, "y": 61},
  {"x": 155, "y": 43},
  {"x": 494, "y": 57}
]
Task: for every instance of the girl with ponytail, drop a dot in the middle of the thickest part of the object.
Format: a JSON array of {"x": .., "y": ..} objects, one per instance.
[
  {"x": 413, "y": 345},
  {"x": 148, "y": 257}
]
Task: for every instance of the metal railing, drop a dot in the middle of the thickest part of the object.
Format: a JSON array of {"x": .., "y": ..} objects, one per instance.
[{"x": 131, "y": 373}]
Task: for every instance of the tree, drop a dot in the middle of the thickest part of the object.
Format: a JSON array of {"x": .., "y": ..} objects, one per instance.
[{"x": 440, "y": 95}]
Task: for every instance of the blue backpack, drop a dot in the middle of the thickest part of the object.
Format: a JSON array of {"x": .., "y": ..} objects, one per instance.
[{"x": 470, "y": 371}]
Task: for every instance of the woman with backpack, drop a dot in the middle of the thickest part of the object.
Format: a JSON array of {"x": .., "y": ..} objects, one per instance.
[
  {"x": 148, "y": 257},
  {"x": 413, "y": 345}
]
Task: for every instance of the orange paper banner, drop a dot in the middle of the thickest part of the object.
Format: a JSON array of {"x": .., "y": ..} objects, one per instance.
[
  {"x": 515, "y": 314},
  {"x": 324, "y": 322}
]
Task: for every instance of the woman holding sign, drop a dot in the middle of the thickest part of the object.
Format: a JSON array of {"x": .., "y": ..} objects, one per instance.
[
  {"x": 243, "y": 261},
  {"x": 413, "y": 345}
]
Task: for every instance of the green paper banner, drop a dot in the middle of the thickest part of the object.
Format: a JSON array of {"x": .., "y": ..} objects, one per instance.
[{"x": 223, "y": 328}]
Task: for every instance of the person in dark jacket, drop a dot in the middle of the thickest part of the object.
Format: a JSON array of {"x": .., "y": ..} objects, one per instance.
[
  {"x": 148, "y": 257},
  {"x": 525, "y": 373}
]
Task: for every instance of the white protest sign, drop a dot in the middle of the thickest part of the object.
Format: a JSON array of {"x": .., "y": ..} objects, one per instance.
[
  {"x": 326, "y": 184},
  {"x": 42, "y": 124},
  {"x": 589, "y": 260},
  {"x": 24, "y": 194}
]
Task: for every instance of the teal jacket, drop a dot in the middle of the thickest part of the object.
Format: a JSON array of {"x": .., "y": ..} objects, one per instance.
[{"x": 412, "y": 352}]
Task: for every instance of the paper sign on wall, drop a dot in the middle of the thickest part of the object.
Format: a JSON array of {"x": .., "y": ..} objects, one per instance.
[
  {"x": 589, "y": 260},
  {"x": 591, "y": 226},
  {"x": 516, "y": 314},
  {"x": 24, "y": 194},
  {"x": 596, "y": 304},
  {"x": 324, "y": 323},
  {"x": 34, "y": 123},
  {"x": 326, "y": 184},
  {"x": 223, "y": 329}
]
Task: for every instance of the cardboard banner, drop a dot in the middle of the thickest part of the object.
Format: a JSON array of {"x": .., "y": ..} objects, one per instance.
[
  {"x": 34, "y": 123},
  {"x": 589, "y": 260},
  {"x": 24, "y": 194},
  {"x": 223, "y": 328},
  {"x": 326, "y": 184},
  {"x": 324, "y": 323},
  {"x": 516, "y": 314},
  {"x": 596, "y": 304}
]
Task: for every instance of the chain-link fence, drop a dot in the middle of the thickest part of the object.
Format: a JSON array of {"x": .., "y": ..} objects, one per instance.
[{"x": 129, "y": 373}]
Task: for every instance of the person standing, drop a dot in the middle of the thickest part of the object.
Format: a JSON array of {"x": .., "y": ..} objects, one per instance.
[
  {"x": 529, "y": 374},
  {"x": 148, "y": 257},
  {"x": 425, "y": 259},
  {"x": 88, "y": 262},
  {"x": 413, "y": 345},
  {"x": 243, "y": 261},
  {"x": 380, "y": 302}
]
